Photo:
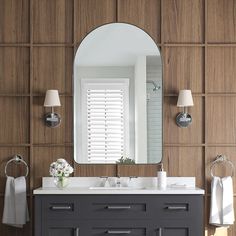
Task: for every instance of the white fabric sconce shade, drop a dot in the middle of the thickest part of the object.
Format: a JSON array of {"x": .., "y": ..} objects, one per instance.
[
  {"x": 185, "y": 98},
  {"x": 52, "y": 99}
]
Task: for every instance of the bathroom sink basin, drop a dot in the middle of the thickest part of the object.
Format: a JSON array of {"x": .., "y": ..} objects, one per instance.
[{"x": 115, "y": 188}]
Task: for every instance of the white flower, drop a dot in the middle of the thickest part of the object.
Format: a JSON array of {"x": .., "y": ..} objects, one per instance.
[{"x": 60, "y": 168}]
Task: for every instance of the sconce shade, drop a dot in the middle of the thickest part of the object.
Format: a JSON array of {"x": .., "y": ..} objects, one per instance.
[
  {"x": 185, "y": 98},
  {"x": 52, "y": 99}
]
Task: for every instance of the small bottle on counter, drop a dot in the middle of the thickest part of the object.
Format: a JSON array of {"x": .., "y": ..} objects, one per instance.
[{"x": 161, "y": 178}]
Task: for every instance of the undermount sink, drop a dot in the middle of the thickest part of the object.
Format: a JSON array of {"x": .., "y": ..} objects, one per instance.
[{"x": 115, "y": 188}]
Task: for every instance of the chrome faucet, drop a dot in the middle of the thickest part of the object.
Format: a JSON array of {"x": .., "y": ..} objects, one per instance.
[
  {"x": 118, "y": 182},
  {"x": 105, "y": 182}
]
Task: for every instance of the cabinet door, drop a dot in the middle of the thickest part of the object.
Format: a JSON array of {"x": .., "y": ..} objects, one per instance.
[
  {"x": 179, "y": 228},
  {"x": 61, "y": 228}
]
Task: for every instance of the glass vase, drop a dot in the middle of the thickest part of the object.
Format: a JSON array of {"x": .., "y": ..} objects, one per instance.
[{"x": 61, "y": 181}]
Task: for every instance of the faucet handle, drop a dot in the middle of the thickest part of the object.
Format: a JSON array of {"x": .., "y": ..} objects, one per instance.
[
  {"x": 104, "y": 177},
  {"x": 105, "y": 181},
  {"x": 133, "y": 177}
]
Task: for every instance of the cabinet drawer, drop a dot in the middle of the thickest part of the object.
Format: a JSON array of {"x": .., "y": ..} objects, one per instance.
[
  {"x": 116, "y": 207},
  {"x": 119, "y": 231},
  {"x": 60, "y": 206},
  {"x": 121, "y": 227},
  {"x": 179, "y": 207}
]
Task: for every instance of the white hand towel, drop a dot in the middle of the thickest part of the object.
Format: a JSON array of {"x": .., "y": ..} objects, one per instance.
[
  {"x": 222, "y": 208},
  {"x": 15, "y": 211}
]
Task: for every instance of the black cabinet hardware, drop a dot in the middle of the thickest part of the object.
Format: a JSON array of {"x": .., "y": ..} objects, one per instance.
[
  {"x": 59, "y": 208},
  {"x": 77, "y": 231},
  {"x": 118, "y": 207},
  {"x": 176, "y": 208},
  {"x": 118, "y": 231}
]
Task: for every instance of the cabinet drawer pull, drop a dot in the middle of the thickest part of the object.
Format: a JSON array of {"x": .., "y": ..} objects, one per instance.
[
  {"x": 174, "y": 208},
  {"x": 160, "y": 231},
  {"x": 55, "y": 208},
  {"x": 76, "y": 231},
  {"x": 118, "y": 231},
  {"x": 118, "y": 207}
]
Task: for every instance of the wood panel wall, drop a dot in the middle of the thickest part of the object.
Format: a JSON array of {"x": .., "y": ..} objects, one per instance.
[{"x": 38, "y": 40}]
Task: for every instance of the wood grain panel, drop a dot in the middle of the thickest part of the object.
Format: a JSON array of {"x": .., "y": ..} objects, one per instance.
[
  {"x": 183, "y": 69},
  {"x": 43, "y": 157},
  {"x": 93, "y": 13},
  {"x": 220, "y": 169},
  {"x": 14, "y": 21},
  {"x": 61, "y": 134},
  {"x": 138, "y": 170},
  {"x": 185, "y": 161},
  {"x": 14, "y": 70},
  {"x": 221, "y": 70},
  {"x": 60, "y": 15},
  {"x": 221, "y": 113},
  {"x": 53, "y": 67},
  {"x": 194, "y": 134},
  {"x": 183, "y": 21},
  {"x": 144, "y": 14},
  {"x": 95, "y": 170},
  {"x": 14, "y": 120},
  {"x": 221, "y": 18},
  {"x": 6, "y": 153},
  {"x": 57, "y": 21}
]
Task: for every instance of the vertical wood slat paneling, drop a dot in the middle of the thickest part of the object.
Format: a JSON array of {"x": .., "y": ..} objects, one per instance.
[
  {"x": 221, "y": 70},
  {"x": 185, "y": 161},
  {"x": 14, "y": 70},
  {"x": 57, "y": 66},
  {"x": 90, "y": 14},
  {"x": 53, "y": 21},
  {"x": 221, "y": 27},
  {"x": 221, "y": 113},
  {"x": 184, "y": 67},
  {"x": 183, "y": 21},
  {"x": 14, "y": 21},
  {"x": 138, "y": 12}
]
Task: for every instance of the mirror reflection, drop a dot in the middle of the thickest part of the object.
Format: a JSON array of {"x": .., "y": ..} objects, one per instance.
[{"x": 118, "y": 97}]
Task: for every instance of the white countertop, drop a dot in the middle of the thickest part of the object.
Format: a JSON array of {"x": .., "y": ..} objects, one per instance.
[
  {"x": 68, "y": 190},
  {"x": 140, "y": 185}
]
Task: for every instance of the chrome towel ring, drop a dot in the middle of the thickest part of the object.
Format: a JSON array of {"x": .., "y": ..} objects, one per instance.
[
  {"x": 221, "y": 159},
  {"x": 18, "y": 159}
]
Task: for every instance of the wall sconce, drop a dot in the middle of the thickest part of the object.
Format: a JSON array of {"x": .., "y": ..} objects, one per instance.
[
  {"x": 185, "y": 99},
  {"x": 52, "y": 100}
]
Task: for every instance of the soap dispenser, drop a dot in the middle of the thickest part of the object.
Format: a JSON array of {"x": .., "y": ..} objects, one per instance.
[{"x": 161, "y": 178}]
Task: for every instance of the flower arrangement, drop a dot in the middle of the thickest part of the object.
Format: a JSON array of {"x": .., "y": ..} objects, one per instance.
[
  {"x": 125, "y": 161},
  {"x": 60, "y": 168}
]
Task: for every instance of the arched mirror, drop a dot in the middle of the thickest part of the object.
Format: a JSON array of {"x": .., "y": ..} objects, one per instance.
[{"x": 118, "y": 97}]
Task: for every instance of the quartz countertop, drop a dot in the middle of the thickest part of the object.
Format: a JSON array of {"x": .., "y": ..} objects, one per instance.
[
  {"x": 77, "y": 190},
  {"x": 139, "y": 185}
]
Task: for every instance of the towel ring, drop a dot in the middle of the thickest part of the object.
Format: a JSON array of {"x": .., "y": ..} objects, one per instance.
[
  {"x": 219, "y": 160},
  {"x": 18, "y": 159}
]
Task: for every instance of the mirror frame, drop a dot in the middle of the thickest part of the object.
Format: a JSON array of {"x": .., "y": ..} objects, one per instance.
[{"x": 162, "y": 85}]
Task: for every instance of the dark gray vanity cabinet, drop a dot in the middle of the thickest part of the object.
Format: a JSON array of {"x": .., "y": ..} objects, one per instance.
[{"x": 104, "y": 215}]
